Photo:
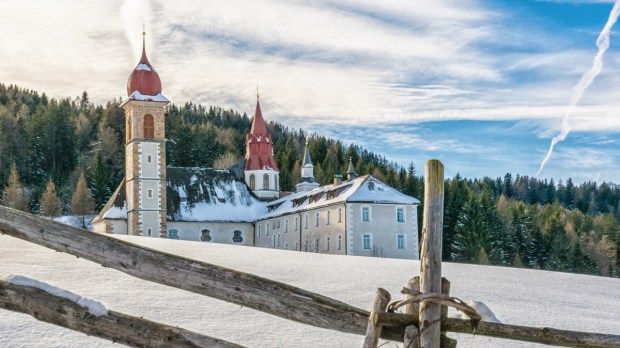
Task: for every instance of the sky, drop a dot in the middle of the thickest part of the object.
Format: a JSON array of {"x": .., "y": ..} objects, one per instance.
[{"x": 482, "y": 86}]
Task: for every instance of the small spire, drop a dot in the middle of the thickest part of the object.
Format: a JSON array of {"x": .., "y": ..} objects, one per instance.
[
  {"x": 351, "y": 174},
  {"x": 144, "y": 59},
  {"x": 257, "y": 91}
]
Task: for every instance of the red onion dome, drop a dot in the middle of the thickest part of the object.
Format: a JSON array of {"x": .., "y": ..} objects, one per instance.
[{"x": 144, "y": 78}]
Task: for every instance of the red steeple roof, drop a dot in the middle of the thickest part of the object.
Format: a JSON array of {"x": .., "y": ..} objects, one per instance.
[
  {"x": 258, "y": 144},
  {"x": 144, "y": 78}
]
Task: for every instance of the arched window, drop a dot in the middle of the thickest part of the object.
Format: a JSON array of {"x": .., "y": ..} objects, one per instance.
[
  {"x": 265, "y": 181},
  {"x": 149, "y": 127},
  {"x": 339, "y": 242},
  {"x": 316, "y": 245},
  {"x": 237, "y": 237},
  {"x": 173, "y": 233},
  {"x": 252, "y": 182},
  {"x": 205, "y": 235}
]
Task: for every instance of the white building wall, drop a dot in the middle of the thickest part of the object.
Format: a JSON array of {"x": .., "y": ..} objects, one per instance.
[
  {"x": 150, "y": 221},
  {"x": 383, "y": 230},
  {"x": 220, "y": 232},
  {"x": 272, "y": 190}
]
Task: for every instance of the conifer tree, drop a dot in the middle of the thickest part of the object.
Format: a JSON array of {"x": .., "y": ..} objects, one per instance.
[
  {"x": 82, "y": 203},
  {"x": 14, "y": 195},
  {"x": 50, "y": 203}
]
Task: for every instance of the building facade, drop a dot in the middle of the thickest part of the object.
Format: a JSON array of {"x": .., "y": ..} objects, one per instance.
[{"x": 243, "y": 205}]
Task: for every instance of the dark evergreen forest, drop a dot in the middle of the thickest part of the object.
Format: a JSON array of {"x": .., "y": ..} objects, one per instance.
[{"x": 517, "y": 221}]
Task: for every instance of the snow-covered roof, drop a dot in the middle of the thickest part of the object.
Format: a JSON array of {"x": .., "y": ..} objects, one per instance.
[
  {"x": 204, "y": 194},
  {"x": 365, "y": 189},
  {"x": 116, "y": 208},
  {"x": 139, "y": 96}
]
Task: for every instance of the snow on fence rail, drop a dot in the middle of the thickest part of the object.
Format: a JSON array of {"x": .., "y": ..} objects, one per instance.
[
  {"x": 55, "y": 308},
  {"x": 259, "y": 293}
]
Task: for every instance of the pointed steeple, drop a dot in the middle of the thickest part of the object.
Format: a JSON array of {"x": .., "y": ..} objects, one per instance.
[
  {"x": 258, "y": 122},
  {"x": 307, "y": 159},
  {"x": 351, "y": 174},
  {"x": 259, "y": 147}
]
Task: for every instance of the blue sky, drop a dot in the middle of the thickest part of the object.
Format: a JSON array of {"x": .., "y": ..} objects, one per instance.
[{"x": 481, "y": 85}]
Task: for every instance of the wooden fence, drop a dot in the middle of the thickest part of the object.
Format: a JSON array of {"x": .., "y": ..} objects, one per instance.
[{"x": 270, "y": 296}]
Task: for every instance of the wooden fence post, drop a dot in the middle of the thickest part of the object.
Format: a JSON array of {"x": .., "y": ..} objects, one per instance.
[
  {"x": 430, "y": 258},
  {"x": 373, "y": 330},
  {"x": 410, "y": 339}
]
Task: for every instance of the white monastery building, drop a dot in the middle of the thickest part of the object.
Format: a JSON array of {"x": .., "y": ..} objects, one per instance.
[{"x": 243, "y": 205}]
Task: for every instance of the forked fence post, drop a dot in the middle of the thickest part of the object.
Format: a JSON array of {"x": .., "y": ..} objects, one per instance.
[
  {"x": 430, "y": 256},
  {"x": 373, "y": 330}
]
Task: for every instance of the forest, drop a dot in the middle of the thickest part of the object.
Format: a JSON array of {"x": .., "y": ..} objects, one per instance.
[{"x": 66, "y": 157}]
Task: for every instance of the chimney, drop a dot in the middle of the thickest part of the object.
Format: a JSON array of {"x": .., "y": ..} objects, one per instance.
[{"x": 337, "y": 179}]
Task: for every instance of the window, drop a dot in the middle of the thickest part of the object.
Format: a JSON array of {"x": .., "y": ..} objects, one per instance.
[
  {"x": 328, "y": 216},
  {"x": 285, "y": 225},
  {"x": 148, "y": 231},
  {"x": 306, "y": 218},
  {"x": 339, "y": 215},
  {"x": 265, "y": 181},
  {"x": 296, "y": 222},
  {"x": 205, "y": 235},
  {"x": 306, "y": 245},
  {"x": 285, "y": 245},
  {"x": 149, "y": 159},
  {"x": 237, "y": 237},
  {"x": 365, "y": 214},
  {"x": 328, "y": 240},
  {"x": 252, "y": 182},
  {"x": 316, "y": 245},
  {"x": 173, "y": 233},
  {"x": 316, "y": 223},
  {"x": 339, "y": 242},
  {"x": 150, "y": 193},
  {"x": 149, "y": 127},
  {"x": 400, "y": 214},
  {"x": 400, "y": 241},
  {"x": 274, "y": 240},
  {"x": 278, "y": 224},
  {"x": 276, "y": 178},
  {"x": 267, "y": 230},
  {"x": 366, "y": 241},
  {"x": 296, "y": 245},
  {"x": 278, "y": 241},
  {"x": 257, "y": 231}
]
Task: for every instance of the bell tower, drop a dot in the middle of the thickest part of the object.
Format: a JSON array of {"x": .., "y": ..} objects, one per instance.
[{"x": 145, "y": 151}]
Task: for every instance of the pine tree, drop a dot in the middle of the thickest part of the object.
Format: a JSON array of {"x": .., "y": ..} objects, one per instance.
[
  {"x": 82, "y": 203},
  {"x": 50, "y": 203},
  {"x": 100, "y": 181},
  {"x": 14, "y": 195}
]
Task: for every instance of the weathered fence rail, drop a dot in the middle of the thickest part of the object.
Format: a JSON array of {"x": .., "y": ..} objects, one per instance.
[{"x": 115, "y": 326}]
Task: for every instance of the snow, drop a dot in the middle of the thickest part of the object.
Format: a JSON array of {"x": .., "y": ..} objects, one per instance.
[
  {"x": 142, "y": 66},
  {"x": 139, "y": 96},
  {"x": 517, "y": 296},
  {"x": 116, "y": 213},
  {"x": 76, "y": 221},
  {"x": 486, "y": 314},
  {"x": 95, "y": 308}
]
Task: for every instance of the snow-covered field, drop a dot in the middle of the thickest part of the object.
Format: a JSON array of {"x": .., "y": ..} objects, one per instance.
[{"x": 516, "y": 296}]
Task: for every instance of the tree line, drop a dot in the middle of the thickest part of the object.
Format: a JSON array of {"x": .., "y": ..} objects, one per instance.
[{"x": 66, "y": 157}]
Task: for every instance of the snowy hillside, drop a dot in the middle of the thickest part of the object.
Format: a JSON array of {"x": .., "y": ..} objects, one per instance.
[{"x": 516, "y": 296}]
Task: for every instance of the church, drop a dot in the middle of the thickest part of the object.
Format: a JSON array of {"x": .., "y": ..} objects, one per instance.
[{"x": 243, "y": 204}]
